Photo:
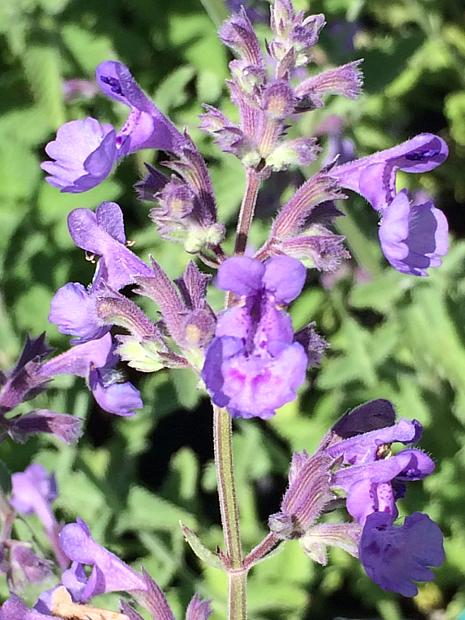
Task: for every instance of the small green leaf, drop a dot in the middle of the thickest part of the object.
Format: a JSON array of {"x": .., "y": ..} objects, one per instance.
[{"x": 204, "y": 554}]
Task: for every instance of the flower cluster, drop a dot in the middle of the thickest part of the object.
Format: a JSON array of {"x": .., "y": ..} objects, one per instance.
[
  {"x": 33, "y": 491},
  {"x": 355, "y": 459},
  {"x": 247, "y": 356}
]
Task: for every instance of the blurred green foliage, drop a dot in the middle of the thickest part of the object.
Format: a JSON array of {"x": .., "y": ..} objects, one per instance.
[{"x": 391, "y": 336}]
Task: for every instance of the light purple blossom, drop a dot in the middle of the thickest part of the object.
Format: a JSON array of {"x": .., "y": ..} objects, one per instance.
[
  {"x": 73, "y": 307},
  {"x": 95, "y": 361},
  {"x": 33, "y": 491},
  {"x": 395, "y": 556},
  {"x": 109, "y": 573},
  {"x": 85, "y": 151},
  {"x": 371, "y": 487},
  {"x": 374, "y": 176},
  {"x": 102, "y": 234},
  {"x": 83, "y": 155},
  {"x": 15, "y": 609},
  {"x": 253, "y": 365},
  {"x": 413, "y": 237},
  {"x": 371, "y": 478}
]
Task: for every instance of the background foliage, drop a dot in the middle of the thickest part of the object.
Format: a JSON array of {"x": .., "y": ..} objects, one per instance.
[{"x": 391, "y": 336}]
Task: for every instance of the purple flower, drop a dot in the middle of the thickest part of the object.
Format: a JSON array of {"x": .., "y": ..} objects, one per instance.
[
  {"x": 109, "y": 573},
  {"x": 395, "y": 556},
  {"x": 84, "y": 153},
  {"x": 74, "y": 308},
  {"x": 15, "y": 609},
  {"x": 374, "y": 177},
  {"x": 253, "y": 365},
  {"x": 95, "y": 361},
  {"x": 33, "y": 491},
  {"x": 372, "y": 487},
  {"x": 371, "y": 478},
  {"x": 413, "y": 237},
  {"x": 24, "y": 382},
  {"x": 146, "y": 127},
  {"x": 102, "y": 233}
]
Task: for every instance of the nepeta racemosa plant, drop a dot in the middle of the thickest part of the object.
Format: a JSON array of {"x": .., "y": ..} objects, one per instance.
[{"x": 247, "y": 357}]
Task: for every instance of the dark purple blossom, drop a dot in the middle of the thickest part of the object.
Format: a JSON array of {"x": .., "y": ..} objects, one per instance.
[
  {"x": 253, "y": 365},
  {"x": 369, "y": 475},
  {"x": 24, "y": 382},
  {"x": 395, "y": 556}
]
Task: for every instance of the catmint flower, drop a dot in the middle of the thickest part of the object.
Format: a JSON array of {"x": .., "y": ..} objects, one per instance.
[
  {"x": 395, "y": 556},
  {"x": 83, "y": 155},
  {"x": 85, "y": 151},
  {"x": 95, "y": 361},
  {"x": 73, "y": 307},
  {"x": 33, "y": 491},
  {"x": 369, "y": 475},
  {"x": 413, "y": 236},
  {"x": 253, "y": 365},
  {"x": 355, "y": 457},
  {"x": 109, "y": 573},
  {"x": 24, "y": 382}
]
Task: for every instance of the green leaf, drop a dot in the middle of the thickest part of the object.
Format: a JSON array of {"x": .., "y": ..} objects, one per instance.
[
  {"x": 204, "y": 554},
  {"x": 42, "y": 66},
  {"x": 216, "y": 9},
  {"x": 171, "y": 93},
  {"x": 147, "y": 511}
]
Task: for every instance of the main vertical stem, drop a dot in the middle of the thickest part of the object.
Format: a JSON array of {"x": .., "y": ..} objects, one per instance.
[
  {"x": 247, "y": 210},
  {"x": 222, "y": 437}
]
